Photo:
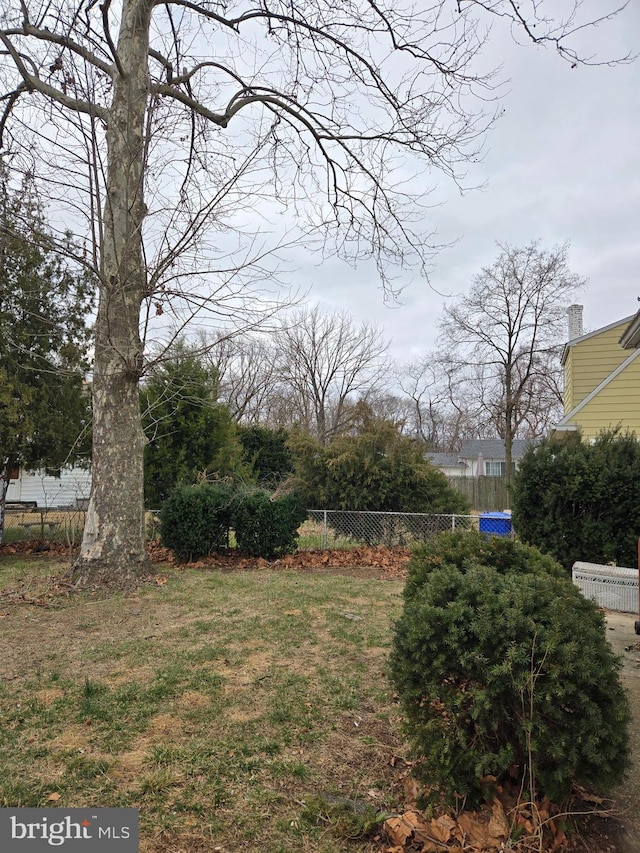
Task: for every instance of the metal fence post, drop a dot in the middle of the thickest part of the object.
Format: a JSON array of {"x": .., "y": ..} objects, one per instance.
[{"x": 325, "y": 532}]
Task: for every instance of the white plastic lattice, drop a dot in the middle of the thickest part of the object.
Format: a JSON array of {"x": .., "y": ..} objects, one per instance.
[{"x": 611, "y": 587}]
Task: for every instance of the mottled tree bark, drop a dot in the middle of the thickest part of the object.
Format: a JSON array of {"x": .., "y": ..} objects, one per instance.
[{"x": 113, "y": 546}]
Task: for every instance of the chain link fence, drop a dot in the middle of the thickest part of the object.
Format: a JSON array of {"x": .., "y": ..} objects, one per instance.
[
  {"x": 25, "y": 522},
  {"x": 324, "y": 528},
  {"x": 327, "y": 528}
]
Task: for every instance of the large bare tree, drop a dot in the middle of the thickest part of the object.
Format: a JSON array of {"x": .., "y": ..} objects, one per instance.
[
  {"x": 160, "y": 121},
  {"x": 501, "y": 339}
]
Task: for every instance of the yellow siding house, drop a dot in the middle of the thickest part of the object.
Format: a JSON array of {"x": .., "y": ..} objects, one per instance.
[{"x": 602, "y": 379}]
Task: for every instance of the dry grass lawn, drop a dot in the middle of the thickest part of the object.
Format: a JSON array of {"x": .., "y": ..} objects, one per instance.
[{"x": 237, "y": 710}]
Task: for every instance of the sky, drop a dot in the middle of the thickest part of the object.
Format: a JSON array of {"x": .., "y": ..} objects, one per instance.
[{"x": 561, "y": 164}]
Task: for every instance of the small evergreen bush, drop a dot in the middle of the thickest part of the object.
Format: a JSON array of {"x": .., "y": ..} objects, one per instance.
[
  {"x": 265, "y": 527},
  {"x": 195, "y": 520},
  {"x": 509, "y": 674},
  {"x": 464, "y": 549}
]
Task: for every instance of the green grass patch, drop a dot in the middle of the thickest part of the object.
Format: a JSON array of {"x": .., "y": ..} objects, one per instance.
[{"x": 227, "y": 707}]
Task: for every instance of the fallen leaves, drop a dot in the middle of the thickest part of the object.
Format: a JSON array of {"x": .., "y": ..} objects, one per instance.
[
  {"x": 483, "y": 831},
  {"x": 377, "y": 561},
  {"x": 388, "y": 562},
  {"x": 37, "y": 546},
  {"x": 506, "y": 823}
]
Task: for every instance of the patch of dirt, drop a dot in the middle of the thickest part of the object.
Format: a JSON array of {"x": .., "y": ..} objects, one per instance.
[
  {"x": 48, "y": 696},
  {"x": 192, "y": 699}
]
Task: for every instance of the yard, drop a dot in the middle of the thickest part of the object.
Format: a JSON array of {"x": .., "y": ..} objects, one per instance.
[{"x": 236, "y": 709}]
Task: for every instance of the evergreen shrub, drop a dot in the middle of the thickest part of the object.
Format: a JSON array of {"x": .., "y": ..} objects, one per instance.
[
  {"x": 195, "y": 520},
  {"x": 465, "y": 549},
  {"x": 578, "y": 500},
  {"x": 266, "y": 527},
  {"x": 508, "y": 674}
]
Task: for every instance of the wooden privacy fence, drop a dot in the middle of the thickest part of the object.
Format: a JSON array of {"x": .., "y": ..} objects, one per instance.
[{"x": 486, "y": 494}]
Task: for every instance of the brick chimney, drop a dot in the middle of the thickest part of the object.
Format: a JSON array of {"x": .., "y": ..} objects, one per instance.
[{"x": 574, "y": 320}]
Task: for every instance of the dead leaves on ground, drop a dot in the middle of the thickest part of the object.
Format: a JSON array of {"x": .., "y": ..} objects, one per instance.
[
  {"x": 494, "y": 827},
  {"x": 504, "y": 822},
  {"x": 485, "y": 830},
  {"x": 36, "y": 547},
  {"x": 387, "y": 562}
]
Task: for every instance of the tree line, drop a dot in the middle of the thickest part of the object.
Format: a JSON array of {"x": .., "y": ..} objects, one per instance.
[
  {"x": 310, "y": 406},
  {"x": 495, "y": 373},
  {"x": 324, "y": 376}
]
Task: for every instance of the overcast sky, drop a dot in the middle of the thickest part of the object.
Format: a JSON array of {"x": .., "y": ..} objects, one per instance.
[{"x": 562, "y": 163}]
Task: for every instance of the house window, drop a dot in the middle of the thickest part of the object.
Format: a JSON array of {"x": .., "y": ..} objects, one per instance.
[
  {"x": 497, "y": 469},
  {"x": 494, "y": 469}
]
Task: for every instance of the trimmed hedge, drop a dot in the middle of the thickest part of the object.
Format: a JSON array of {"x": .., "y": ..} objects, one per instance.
[
  {"x": 507, "y": 673},
  {"x": 465, "y": 549},
  {"x": 581, "y": 501},
  {"x": 265, "y": 527},
  {"x": 195, "y": 520}
]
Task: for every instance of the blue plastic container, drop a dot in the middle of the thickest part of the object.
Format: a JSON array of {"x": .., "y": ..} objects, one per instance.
[{"x": 495, "y": 523}]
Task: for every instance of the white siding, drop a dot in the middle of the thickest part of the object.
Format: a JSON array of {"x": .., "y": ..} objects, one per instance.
[{"x": 73, "y": 484}]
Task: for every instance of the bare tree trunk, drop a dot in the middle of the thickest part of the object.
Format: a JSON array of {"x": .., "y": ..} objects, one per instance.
[
  {"x": 508, "y": 454},
  {"x": 113, "y": 545},
  {"x": 508, "y": 423}
]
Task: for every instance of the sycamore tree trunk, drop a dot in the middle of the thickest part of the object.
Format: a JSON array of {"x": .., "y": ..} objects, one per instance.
[{"x": 113, "y": 546}]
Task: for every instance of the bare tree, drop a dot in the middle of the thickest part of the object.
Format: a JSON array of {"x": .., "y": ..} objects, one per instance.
[
  {"x": 327, "y": 360},
  {"x": 248, "y": 376},
  {"x": 502, "y": 337},
  {"x": 162, "y": 121},
  {"x": 441, "y": 411},
  {"x": 421, "y": 385}
]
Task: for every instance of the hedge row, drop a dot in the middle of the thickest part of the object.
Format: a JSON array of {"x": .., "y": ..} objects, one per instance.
[{"x": 196, "y": 520}]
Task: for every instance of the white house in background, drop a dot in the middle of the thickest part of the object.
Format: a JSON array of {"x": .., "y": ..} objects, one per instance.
[
  {"x": 482, "y": 457},
  {"x": 50, "y": 488}
]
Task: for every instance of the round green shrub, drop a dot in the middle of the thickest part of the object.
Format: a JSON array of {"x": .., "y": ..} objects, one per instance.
[
  {"x": 195, "y": 520},
  {"x": 466, "y": 548},
  {"x": 509, "y": 674},
  {"x": 266, "y": 527}
]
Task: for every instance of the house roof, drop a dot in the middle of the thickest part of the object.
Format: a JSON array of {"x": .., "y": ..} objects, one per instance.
[
  {"x": 445, "y": 460},
  {"x": 631, "y": 336},
  {"x": 492, "y": 448}
]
